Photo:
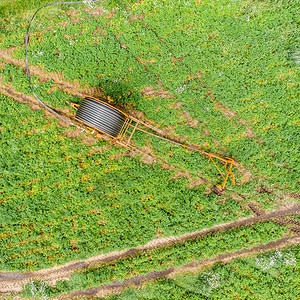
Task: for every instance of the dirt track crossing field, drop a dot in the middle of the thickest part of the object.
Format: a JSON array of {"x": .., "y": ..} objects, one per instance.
[
  {"x": 9, "y": 91},
  {"x": 12, "y": 281},
  {"x": 72, "y": 88},
  {"x": 138, "y": 281},
  {"x": 295, "y": 225}
]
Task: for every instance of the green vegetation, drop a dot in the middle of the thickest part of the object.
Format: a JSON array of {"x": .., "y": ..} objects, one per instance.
[
  {"x": 174, "y": 256},
  {"x": 228, "y": 82},
  {"x": 268, "y": 276},
  {"x": 17, "y": 7},
  {"x": 62, "y": 199}
]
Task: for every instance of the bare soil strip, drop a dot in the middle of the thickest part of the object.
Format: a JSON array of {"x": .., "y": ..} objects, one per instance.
[
  {"x": 72, "y": 88},
  {"x": 279, "y": 220},
  {"x": 138, "y": 281},
  {"x": 12, "y": 281},
  {"x": 9, "y": 91}
]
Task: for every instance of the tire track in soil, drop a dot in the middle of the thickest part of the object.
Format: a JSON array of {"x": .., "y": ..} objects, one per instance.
[
  {"x": 72, "y": 88},
  {"x": 69, "y": 87},
  {"x": 12, "y": 281},
  {"x": 138, "y": 281},
  {"x": 295, "y": 225},
  {"x": 8, "y": 90},
  {"x": 20, "y": 97}
]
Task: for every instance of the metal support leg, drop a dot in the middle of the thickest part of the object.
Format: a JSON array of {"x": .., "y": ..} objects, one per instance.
[{"x": 134, "y": 128}]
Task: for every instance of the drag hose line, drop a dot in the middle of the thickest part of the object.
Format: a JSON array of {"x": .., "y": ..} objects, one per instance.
[
  {"x": 101, "y": 116},
  {"x": 26, "y": 55}
]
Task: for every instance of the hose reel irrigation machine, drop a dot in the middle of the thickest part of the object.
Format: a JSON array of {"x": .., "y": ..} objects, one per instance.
[{"x": 95, "y": 115}]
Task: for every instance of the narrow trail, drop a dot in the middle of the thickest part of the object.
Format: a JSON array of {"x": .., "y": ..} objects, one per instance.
[
  {"x": 138, "y": 281},
  {"x": 295, "y": 225},
  {"x": 72, "y": 88},
  {"x": 12, "y": 281},
  {"x": 9, "y": 91}
]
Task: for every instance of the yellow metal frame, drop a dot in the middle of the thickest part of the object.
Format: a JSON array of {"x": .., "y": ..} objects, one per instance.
[
  {"x": 229, "y": 162},
  {"x": 125, "y": 136}
]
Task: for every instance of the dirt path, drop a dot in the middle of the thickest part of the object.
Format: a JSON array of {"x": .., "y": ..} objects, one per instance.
[
  {"x": 72, "y": 88},
  {"x": 12, "y": 281},
  {"x": 139, "y": 281},
  {"x": 295, "y": 225},
  {"x": 9, "y": 91}
]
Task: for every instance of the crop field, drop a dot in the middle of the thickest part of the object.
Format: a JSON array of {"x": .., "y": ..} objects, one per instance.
[{"x": 82, "y": 217}]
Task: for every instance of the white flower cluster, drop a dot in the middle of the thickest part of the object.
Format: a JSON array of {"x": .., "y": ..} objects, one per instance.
[
  {"x": 213, "y": 280},
  {"x": 91, "y": 3},
  {"x": 180, "y": 89},
  {"x": 296, "y": 56},
  {"x": 264, "y": 263},
  {"x": 38, "y": 292},
  {"x": 267, "y": 263},
  {"x": 290, "y": 259}
]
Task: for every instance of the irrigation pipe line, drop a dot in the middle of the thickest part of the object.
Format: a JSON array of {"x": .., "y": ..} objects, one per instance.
[{"x": 26, "y": 57}]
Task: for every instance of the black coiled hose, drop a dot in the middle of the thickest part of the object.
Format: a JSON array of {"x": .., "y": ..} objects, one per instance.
[{"x": 101, "y": 116}]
